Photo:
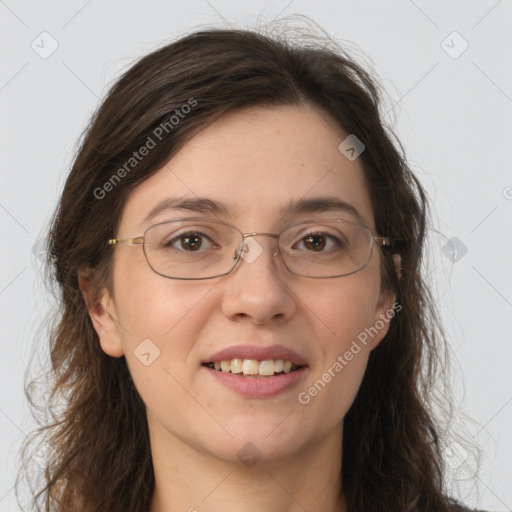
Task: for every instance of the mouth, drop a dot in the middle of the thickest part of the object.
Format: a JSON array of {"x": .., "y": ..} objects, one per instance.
[{"x": 252, "y": 368}]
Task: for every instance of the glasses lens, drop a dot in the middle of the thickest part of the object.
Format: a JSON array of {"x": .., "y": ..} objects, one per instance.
[
  {"x": 191, "y": 248},
  {"x": 326, "y": 248}
]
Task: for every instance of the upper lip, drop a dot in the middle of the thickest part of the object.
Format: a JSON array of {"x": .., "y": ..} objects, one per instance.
[{"x": 257, "y": 352}]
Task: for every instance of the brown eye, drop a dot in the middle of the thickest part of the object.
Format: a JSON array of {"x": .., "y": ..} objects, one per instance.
[
  {"x": 314, "y": 242},
  {"x": 319, "y": 242},
  {"x": 191, "y": 242}
]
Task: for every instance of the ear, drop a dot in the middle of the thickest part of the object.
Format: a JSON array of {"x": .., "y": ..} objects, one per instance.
[
  {"x": 385, "y": 309},
  {"x": 101, "y": 309}
]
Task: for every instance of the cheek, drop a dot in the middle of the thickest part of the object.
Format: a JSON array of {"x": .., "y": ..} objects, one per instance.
[
  {"x": 151, "y": 306},
  {"x": 345, "y": 310},
  {"x": 163, "y": 320},
  {"x": 347, "y": 313},
  {"x": 160, "y": 320}
]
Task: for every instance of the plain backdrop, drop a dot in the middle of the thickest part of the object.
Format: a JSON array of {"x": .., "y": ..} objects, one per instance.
[{"x": 446, "y": 67}]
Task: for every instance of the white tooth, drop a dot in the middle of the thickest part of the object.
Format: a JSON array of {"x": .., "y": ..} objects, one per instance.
[
  {"x": 278, "y": 365},
  {"x": 250, "y": 367},
  {"x": 236, "y": 365},
  {"x": 266, "y": 367}
]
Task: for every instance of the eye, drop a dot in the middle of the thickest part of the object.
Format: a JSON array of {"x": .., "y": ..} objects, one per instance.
[
  {"x": 318, "y": 241},
  {"x": 191, "y": 241}
]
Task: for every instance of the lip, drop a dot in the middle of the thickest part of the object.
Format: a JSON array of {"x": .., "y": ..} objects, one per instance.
[
  {"x": 258, "y": 353},
  {"x": 258, "y": 387}
]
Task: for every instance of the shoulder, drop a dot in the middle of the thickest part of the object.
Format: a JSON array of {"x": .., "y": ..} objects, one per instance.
[{"x": 458, "y": 507}]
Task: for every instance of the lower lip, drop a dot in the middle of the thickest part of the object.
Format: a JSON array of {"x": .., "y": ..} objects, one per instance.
[{"x": 259, "y": 387}]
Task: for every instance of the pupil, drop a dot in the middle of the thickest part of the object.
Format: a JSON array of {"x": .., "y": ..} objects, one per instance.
[
  {"x": 315, "y": 241},
  {"x": 191, "y": 242}
]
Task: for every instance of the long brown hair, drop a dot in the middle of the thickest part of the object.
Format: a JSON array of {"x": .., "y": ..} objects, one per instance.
[{"x": 100, "y": 458}]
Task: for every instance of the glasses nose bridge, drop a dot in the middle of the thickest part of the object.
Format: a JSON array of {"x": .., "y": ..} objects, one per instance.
[
  {"x": 257, "y": 233},
  {"x": 273, "y": 235}
]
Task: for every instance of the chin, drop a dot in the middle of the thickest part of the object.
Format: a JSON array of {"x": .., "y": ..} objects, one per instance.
[{"x": 253, "y": 441}]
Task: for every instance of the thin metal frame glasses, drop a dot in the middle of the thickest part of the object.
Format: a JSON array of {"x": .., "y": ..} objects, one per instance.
[{"x": 351, "y": 245}]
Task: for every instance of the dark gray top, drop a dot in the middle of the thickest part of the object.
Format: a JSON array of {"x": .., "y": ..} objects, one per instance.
[{"x": 461, "y": 508}]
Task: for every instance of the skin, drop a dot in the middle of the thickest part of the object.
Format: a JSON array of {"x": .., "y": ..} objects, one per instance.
[{"x": 260, "y": 158}]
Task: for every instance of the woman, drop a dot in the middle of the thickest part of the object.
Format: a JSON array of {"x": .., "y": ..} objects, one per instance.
[{"x": 244, "y": 321}]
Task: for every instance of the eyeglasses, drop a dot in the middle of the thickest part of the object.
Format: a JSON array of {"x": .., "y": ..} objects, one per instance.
[{"x": 198, "y": 248}]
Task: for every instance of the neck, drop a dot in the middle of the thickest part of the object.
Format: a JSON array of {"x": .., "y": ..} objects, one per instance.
[{"x": 188, "y": 479}]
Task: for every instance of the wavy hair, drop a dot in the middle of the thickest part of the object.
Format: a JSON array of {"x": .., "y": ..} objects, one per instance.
[{"x": 99, "y": 456}]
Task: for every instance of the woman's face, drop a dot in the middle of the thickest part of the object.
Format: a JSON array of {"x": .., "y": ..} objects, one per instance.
[{"x": 253, "y": 162}]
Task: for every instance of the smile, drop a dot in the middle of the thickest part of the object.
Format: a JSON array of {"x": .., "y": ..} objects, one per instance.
[{"x": 253, "y": 368}]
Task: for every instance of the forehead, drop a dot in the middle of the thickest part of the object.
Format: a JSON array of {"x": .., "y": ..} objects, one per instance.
[{"x": 254, "y": 163}]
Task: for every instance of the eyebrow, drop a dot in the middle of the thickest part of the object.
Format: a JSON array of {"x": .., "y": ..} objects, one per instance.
[
  {"x": 194, "y": 204},
  {"x": 321, "y": 204},
  {"x": 293, "y": 207}
]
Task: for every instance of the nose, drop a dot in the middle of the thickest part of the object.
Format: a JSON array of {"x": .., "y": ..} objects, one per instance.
[{"x": 257, "y": 290}]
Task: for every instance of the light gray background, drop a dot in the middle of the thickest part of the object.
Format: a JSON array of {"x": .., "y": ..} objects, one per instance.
[{"x": 453, "y": 116}]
